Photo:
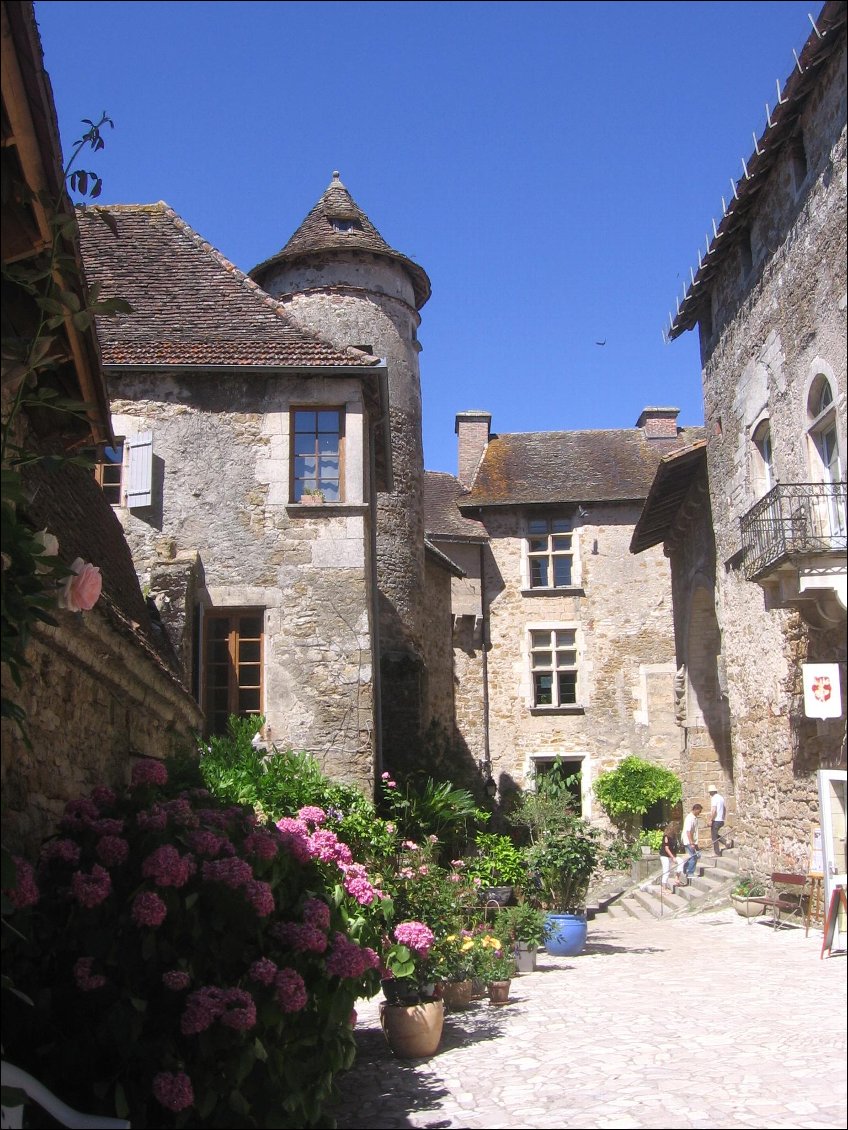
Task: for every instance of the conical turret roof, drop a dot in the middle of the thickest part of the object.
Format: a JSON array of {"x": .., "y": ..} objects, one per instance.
[{"x": 338, "y": 223}]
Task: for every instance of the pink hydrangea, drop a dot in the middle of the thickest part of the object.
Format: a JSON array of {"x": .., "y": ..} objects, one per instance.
[
  {"x": 60, "y": 851},
  {"x": 294, "y": 837},
  {"x": 261, "y": 844},
  {"x": 260, "y": 896},
  {"x": 181, "y": 813},
  {"x": 79, "y": 814},
  {"x": 263, "y": 970},
  {"x": 173, "y": 1091},
  {"x": 155, "y": 819},
  {"x": 316, "y": 913},
  {"x": 86, "y": 981},
  {"x": 300, "y": 937},
  {"x": 25, "y": 891},
  {"x": 148, "y": 909},
  {"x": 418, "y": 937},
  {"x": 202, "y": 1009},
  {"x": 177, "y": 980},
  {"x": 167, "y": 868},
  {"x": 233, "y": 872},
  {"x": 103, "y": 796},
  {"x": 91, "y": 889},
  {"x": 327, "y": 847},
  {"x": 208, "y": 844},
  {"x": 357, "y": 884},
  {"x": 347, "y": 959},
  {"x": 291, "y": 990},
  {"x": 112, "y": 850},
  {"x": 239, "y": 1010},
  {"x": 149, "y": 772},
  {"x": 311, "y": 814},
  {"x": 107, "y": 826}
]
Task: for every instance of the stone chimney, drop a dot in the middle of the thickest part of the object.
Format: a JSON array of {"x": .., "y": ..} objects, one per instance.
[
  {"x": 473, "y": 431},
  {"x": 659, "y": 423}
]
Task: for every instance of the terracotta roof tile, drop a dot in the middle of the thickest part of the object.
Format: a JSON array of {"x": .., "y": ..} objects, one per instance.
[
  {"x": 580, "y": 466},
  {"x": 321, "y": 231},
  {"x": 191, "y": 306},
  {"x": 442, "y": 519}
]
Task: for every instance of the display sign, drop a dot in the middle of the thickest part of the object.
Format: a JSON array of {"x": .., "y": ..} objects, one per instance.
[{"x": 822, "y": 694}]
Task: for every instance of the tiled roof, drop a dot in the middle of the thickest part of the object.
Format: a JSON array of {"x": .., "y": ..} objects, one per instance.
[
  {"x": 191, "y": 306},
  {"x": 319, "y": 233},
  {"x": 674, "y": 477},
  {"x": 587, "y": 466},
  {"x": 442, "y": 519}
]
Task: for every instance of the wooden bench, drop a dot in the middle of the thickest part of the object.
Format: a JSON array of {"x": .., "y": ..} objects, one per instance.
[{"x": 789, "y": 893}]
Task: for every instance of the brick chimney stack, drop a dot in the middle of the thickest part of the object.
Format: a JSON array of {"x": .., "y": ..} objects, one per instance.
[
  {"x": 473, "y": 429},
  {"x": 659, "y": 423}
]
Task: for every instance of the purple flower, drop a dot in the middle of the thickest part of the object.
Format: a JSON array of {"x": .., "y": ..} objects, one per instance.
[
  {"x": 62, "y": 851},
  {"x": 173, "y": 1091},
  {"x": 300, "y": 938},
  {"x": 149, "y": 772},
  {"x": 291, "y": 990},
  {"x": 87, "y": 981},
  {"x": 167, "y": 868},
  {"x": 294, "y": 836},
  {"x": 347, "y": 959},
  {"x": 261, "y": 844},
  {"x": 107, "y": 826},
  {"x": 148, "y": 909},
  {"x": 203, "y": 1008},
  {"x": 239, "y": 1010},
  {"x": 416, "y": 936},
  {"x": 263, "y": 970},
  {"x": 233, "y": 873},
  {"x": 311, "y": 814},
  {"x": 261, "y": 897},
  {"x": 208, "y": 844},
  {"x": 155, "y": 819},
  {"x": 316, "y": 913},
  {"x": 112, "y": 850},
  {"x": 176, "y": 980},
  {"x": 91, "y": 889},
  {"x": 79, "y": 814},
  {"x": 25, "y": 891},
  {"x": 103, "y": 796}
]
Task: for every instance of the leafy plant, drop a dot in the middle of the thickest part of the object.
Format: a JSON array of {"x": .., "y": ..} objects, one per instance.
[
  {"x": 522, "y": 923},
  {"x": 493, "y": 960},
  {"x": 634, "y": 786},
  {"x": 562, "y": 862},
  {"x": 432, "y": 808},
  {"x": 651, "y": 838},
  {"x": 748, "y": 886},
  {"x": 497, "y": 862}
]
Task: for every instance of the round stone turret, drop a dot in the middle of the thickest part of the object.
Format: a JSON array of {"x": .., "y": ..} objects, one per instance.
[{"x": 339, "y": 278}]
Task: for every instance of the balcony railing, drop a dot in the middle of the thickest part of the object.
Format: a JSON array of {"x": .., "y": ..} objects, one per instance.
[{"x": 793, "y": 520}]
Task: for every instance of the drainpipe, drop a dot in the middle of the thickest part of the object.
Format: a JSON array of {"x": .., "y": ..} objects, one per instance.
[
  {"x": 484, "y": 630},
  {"x": 376, "y": 675}
]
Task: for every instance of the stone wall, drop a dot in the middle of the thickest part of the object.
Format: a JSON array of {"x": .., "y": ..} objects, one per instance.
[
  {"x": 221, "y": 508},
  {"x": 95, "y": 700},
  {"x": 778, "y": 320},
  {"x": 623, "y": 615}
]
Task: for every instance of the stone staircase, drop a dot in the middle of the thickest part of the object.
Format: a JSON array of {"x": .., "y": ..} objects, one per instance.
[{"x": 708, "y": 888}]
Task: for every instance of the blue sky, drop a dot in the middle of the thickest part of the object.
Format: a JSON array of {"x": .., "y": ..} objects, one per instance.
[{"x": 554, "y": 167}]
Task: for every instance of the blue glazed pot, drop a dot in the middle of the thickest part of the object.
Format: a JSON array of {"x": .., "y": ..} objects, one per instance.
[{"x": 566, "y": 934}]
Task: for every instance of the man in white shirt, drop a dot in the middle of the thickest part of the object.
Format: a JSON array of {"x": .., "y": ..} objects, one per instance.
[
  {"x": 690, "y": 841},
  {"x": 718, "y": 812}
]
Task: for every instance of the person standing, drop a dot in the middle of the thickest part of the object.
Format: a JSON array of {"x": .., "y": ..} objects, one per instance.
[
  {"x": 690, "y": 841},
  {"x": 668, "y": 855},
  {"x": 718, "y": 812}
]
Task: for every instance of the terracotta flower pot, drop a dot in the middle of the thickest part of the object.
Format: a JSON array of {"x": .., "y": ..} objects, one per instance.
[
  {"x": 415, "y": 1031},
  {"x": 457, "y": 994},
  {"x": 499, "y": 992}
]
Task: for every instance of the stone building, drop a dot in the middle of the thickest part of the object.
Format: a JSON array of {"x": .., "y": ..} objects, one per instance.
[
  {"x": 102, "y": 686},
  {"x": 248, "y": 458},
  {"x": 752, "y": 515},
  {"x": 562, "y": 649}
]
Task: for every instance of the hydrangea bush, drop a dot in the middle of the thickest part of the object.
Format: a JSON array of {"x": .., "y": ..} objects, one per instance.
[{"x": 188, "y": 964}]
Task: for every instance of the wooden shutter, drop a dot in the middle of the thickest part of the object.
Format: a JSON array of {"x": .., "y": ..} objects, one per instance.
[{"x": 140, "y": 470}]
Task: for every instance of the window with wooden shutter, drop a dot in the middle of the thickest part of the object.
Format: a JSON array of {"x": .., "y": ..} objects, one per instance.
[
  {"x": 139, "y": 490},
  {"x": 233, "y": 659}
]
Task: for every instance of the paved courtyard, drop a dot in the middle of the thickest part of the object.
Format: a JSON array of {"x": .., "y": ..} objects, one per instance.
[{"x": 699, "y": 1022}]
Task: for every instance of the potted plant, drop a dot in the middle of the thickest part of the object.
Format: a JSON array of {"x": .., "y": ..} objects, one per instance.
[
  {"x": 454, "y": 968},
  {"x": 497, "y": 867},
  {"x": 411, "y": 1016},
  {"x": 650, "y": 841},
  {"x": 494, "y": 965},
  {"x": 526, "y": 928},
  {"x": 745, "y": 888},
  {"x": 312, "y": 496}
]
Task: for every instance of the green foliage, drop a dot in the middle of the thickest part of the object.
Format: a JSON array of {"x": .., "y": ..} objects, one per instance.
[
  {"x": 634, "y": 786},
  {"x": 651, "y": 838},
  {"x": 116, "y": 979},
  {"x": 433, "y": 808},
  {"x": 748, "y": 886},
  {"x": 522, "y": 923},
  {"x": 498, "y": 861},
  {"x": 493, "y": 958}
]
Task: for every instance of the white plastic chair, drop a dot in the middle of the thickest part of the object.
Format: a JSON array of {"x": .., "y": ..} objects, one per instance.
[{"x": 13, "y": 1116}]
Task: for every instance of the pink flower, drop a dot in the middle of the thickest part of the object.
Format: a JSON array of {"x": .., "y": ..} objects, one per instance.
[
  {"x": 263, "y": 970},
  {"x": 239, "y": 1010},
  {"x": 203, "y": 1008},
  {"x": 87, "y": 981},
  {"x": 176, "y": 980},
  {"x": 79, "y": 814},
  {"x": 294, "y": 836},
  {"x": 391, "y": 828},
  {"x": 103, "y": 796},
  {"x": 167, "y": 868},
  {"x": 234, "y": 873},
  {"x": 291, "y": 990},
  {"x": 327, "y": 847},
  {"x": 112, "y": 850},
  {"x": 181, "y": 812},
  {"x": 301, "y": 938},
  {"x": 173, "y": 1091},
  {"x": 347, "y": 959},
  {"x": 261, "y": 897},
  {"x": 148, "y": 909},
  {"x": 207, "y": 843},
  {"x": 62, "y": 851},
  {"x": 91, "y": 889},
  {"x": 25, "y": 891},
  {"x": 155, "y": 819},
  {"x": 385, "y": 776},
  {"x": 107, "y": 826},
  {"x": 149, "y": 772},
  {"x": 261, "y": 844},
  {"x": 311, "y": 814},
  {"x": 316, "y": 913},
  {"x": 81, "y": 591},
  {"x": 416, "y": 936}
]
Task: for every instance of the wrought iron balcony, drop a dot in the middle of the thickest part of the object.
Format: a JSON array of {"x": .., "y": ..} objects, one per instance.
[{"x": 793, "y": 522}]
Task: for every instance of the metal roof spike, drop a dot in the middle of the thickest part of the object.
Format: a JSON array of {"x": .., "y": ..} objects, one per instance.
[
  {"x": 723, "y": 207},
  {"x": 715, "y": 229},
  {"x": 692, "y": 276},
  {"x": 745, "y": 167},
  {"x": 733, "y": 186},
  {"x": 780, "y": 101},
  {"x": 757, "y": 149},
  {"x": 797, "y": 62},
  {"x": 768, "y": 115},
  {"x": 815, "y": 29},
  {"x": 700, "y": 264}
]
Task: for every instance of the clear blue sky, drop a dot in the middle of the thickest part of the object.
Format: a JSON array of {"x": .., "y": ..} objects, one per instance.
[{"x": 554, "y": 167}]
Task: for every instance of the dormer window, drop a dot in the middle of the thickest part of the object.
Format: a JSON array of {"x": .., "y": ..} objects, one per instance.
[{"x": 343, "y": 225}]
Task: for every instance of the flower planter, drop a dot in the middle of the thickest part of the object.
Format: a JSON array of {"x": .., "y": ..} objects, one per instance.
[
  {"x": 499, "y": 992},
  {"x": 745, "y": 907},
  {"x": 525, "y": 958},
  {"x": 566, "y": 935},
  {"x": 501, "y": 895},
  {"x": 414, "y": 1031},
  {"x": 457, "y": 994}
]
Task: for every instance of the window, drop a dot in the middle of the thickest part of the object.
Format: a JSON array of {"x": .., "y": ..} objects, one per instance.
[
  {"x": 317, "y": 439},
  {"x": 232, "y": 666},
  {"x": 550, "y": 552},
  {"x": 799, "y": 163},
  {"x": 553, "y": 665},
  {"x": 763, "y": 458},
  {"x": 824, "y": 450},
  {"x": 109, "y": 472}
]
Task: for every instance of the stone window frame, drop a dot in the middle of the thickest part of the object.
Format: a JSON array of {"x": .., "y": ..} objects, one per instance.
[
  {"x": 535, "y": 648},
  {"x": 763, "y": 476},
  {"x": 548, "y": 757},
  {"x": 239, "y": 689},
  {"x": 551, "y": 553},
  {"x": 296, "y": 493}
]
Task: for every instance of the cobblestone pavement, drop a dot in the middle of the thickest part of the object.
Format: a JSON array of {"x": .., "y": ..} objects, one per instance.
[{"x": 706, "y": 1021}]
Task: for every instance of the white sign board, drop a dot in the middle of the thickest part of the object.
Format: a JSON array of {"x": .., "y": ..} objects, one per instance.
[{"x": 822, "y": 694}]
